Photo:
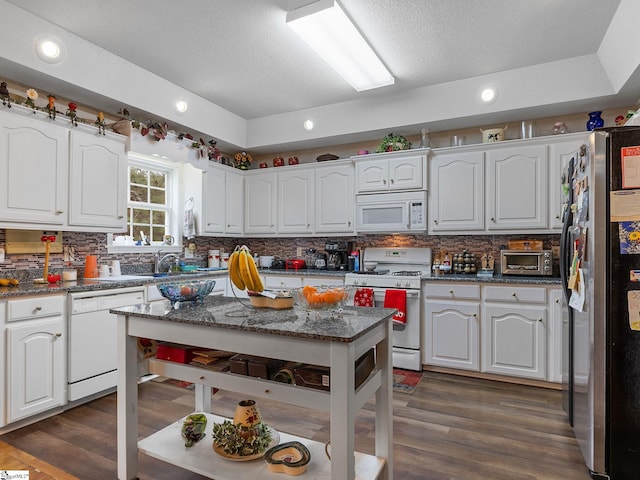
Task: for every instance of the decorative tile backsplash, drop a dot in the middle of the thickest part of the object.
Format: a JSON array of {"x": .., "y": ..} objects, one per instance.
[{"x": 95, "y": 244}]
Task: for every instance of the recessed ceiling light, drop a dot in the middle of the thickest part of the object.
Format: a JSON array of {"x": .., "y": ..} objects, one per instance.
[
  {"x": 488, "y": 95},
  {"x": 308, "y": 125},
  {"x": 50, "y": 49},
  {"x": 181, "y": 106}
]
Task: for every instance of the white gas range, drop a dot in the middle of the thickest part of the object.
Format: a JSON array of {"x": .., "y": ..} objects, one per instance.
[{"x": 398, "y": 269}]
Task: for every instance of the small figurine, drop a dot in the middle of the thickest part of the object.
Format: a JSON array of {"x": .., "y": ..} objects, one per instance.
[
  {"x": 72, "y": 114},
  {"x": 32, "y": 96},
  {"x": 100, "y": 123},
  {"x": 4, "y": 93},
  {"x": 51, "y": 107}
]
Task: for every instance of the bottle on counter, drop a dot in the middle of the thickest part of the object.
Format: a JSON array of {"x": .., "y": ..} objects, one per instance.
[{"x": 213, "y": 259}]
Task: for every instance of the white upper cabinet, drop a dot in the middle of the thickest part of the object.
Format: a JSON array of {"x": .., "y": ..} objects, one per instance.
[
  {"x": 335, "y": 200},
  {"x": 404, "y": 170},
  {"x": 52, "y": 174},
  {"x": 234, "y": 205},
  {"x": 98, "y": 181},
  {"x": 223, "y": 201},
  {"x": 296, "y": 201},
  {"x": 456, "y": 192},
  {"x": 33, "y": 171},
  {"x": 261, "y": 198},
  {"x": 517, "y": 188}
]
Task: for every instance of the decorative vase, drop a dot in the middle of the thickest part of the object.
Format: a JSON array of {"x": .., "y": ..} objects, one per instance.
[
  {"x": 595, "y": 121},
  {"x": 247, "y": 414}
]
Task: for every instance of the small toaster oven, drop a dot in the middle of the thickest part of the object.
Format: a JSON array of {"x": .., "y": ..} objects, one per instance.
[{"x": 526, "y": 262}]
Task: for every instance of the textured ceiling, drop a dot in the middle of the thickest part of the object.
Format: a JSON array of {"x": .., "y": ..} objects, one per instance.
[{"x": 241, "y": 56}]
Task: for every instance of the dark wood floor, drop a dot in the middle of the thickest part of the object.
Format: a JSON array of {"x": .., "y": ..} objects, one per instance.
[{"x": 451, "y": 428}]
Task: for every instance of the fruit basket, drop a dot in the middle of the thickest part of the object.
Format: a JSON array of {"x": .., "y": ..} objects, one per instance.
[
  {"x": 324, "y": 297},
  {"x": 186, "y": 291}
]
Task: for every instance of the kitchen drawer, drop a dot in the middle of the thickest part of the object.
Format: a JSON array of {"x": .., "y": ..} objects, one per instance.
[
  {"x": 515, "y": 294},
  {"x": 35, "y": 307},
  {"x": 275, "y": 282},
  {"x": 452, "y": 291}
]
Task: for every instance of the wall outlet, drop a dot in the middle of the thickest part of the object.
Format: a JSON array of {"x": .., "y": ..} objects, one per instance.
[
  {"x": 1, "y": 255},
  {"x": 188, "y": 253},
  {"x": 298, "y": 251}
]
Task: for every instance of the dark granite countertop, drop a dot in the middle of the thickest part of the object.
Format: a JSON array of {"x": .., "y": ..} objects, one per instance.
[
  {"x": 229, "y": 313},
  {"x": 497, "y": 278},
  {"x": 85, "y": 285}
]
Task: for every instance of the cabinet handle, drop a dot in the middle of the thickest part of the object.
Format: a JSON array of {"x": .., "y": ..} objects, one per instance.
[
  {"x": 435, "y": 221},
  {"x": 451, "y": 292},
  {"x": 384, "y": 182},
  {"x": 558, "y": 217},
  {"x": 58, "y": 334},
  {"x": 58, "y": 212},
  {"x": 493, "y": 219},
  {"x": 392, "y": 180},
  {"x": 557, "y": 300},
  {"x": 120, "y": 217},
  {"x": 267, "y": 391},
  {"x": 201, "y": 377},
  {"x": 514, "y": 295},
  {"x": 37, "y": 309},
  {"x": 540, "y": 319},
  {"x": 349, "y": 223},
  {"x": 308, "y": 225},
  {"x": 475, "y": 315}
]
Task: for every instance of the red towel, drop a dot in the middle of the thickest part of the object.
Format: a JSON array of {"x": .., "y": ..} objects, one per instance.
[
  {"x": 397, "y": 299},
  {"x": 363, "y": 297}
]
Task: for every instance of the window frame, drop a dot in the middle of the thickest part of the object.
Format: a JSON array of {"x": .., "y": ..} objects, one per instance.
[{"x": 175, "y": 174}]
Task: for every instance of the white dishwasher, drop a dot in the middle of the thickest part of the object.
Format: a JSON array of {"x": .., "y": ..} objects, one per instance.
[{"x": 92, "y": 340}]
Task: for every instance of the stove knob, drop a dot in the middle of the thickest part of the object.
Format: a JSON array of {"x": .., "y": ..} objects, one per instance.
[
  {"x": 398, "y": 283},
  {"x": 407, "y": 284}
]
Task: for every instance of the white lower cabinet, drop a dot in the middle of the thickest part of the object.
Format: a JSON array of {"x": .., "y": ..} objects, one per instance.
[
  {"x": 514, "y": 331},
  {"x": 502, "y": 329},
  {"x": 451, "y": 326},
  {"x": 36, "y": 356}
]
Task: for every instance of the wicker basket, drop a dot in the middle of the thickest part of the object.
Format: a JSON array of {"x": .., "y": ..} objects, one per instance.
[{"x": 259, "y": 301}]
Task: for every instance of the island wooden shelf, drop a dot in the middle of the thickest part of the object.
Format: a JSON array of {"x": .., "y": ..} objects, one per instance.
[{"x": 291, "y": 336}]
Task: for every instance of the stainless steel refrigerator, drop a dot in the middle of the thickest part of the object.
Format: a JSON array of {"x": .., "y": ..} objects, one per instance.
[{"x": 600, "y": 269}]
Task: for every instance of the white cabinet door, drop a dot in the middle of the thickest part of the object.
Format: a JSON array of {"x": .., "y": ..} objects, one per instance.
[
  {"x": 214, "y": 200},
  {"x": 559, "y": 157},
  {"x": 33, "y": 171},
  {"x": 295, "y": 201},
  {"x": 260, "y": 203},
  {"x": 402, "y": 171},
  {"x": 372, "y": 175},
  {"x": 234, "y": 206},
  {"x": 335, "y": 200},
  {"x": 407, "y": 172},
  {"x": 517, "y": 190},
  {"x": 450, "y": 336},
  {"x": 554, "y": 336},
  {"x": 514, "y": 340},
  {"x": 35, "y": 366},
  {"x": 98, "y": 181},
  {"x": 456, "y": 192}
]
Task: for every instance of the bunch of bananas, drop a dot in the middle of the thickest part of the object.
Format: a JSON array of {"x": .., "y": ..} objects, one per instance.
[
  {"x": 243, "y": 271},
  {"x": 9, "y": 282}
]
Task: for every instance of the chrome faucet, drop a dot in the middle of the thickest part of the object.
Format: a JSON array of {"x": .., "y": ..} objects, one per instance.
[{"x": 160, "y": 260}]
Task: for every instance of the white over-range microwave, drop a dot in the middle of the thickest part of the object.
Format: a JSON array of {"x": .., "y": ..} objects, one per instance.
[{"x": 392, "y": 212}]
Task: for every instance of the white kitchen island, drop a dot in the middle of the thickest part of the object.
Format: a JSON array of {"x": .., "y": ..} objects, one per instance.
[{"x": 292, "y": 335}]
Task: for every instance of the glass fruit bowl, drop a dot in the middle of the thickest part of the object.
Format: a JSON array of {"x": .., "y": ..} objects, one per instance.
[
  {"x": 324, "y": 297},
  {"x": 186, "y": 291}
]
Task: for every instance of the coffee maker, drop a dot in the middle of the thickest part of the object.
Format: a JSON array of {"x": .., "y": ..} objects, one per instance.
[{"x": 337, "y": 254}]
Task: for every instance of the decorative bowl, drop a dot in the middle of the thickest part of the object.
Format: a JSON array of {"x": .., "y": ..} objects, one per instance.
[
  {"x": 186, "y": 291},
  {"x": 324, "y": 297}
]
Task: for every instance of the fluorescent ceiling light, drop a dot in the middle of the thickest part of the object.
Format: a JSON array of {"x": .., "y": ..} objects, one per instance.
[{"x": 328, "y": 30}]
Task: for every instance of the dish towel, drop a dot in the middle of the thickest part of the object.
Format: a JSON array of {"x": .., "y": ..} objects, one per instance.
[
  {"x": 363, "y": 297},
  {"x": 189, "y": 220},
  {"x": 397, "y": 299}
]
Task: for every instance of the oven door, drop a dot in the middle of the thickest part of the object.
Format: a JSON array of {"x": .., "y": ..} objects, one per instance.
[{"x": 405, "y": 335}]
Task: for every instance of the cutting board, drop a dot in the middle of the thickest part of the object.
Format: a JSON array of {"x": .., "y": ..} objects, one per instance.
[{"x": 28, "y": 241}]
